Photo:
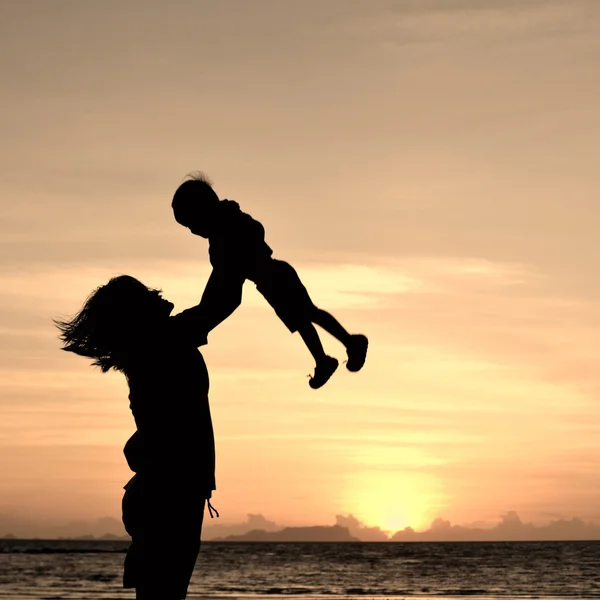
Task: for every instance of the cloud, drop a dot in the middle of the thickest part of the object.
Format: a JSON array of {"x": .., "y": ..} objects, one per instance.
[
  {"x": 468, "y": 21},
  {"x": 22, "y": 527},
  {"x": 510, "y": 528},
  {"x": 360, "y": 530},
  {"x": 211, "y": 530}
]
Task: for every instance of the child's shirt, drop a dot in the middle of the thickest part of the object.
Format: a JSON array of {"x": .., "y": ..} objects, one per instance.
[{"x": 238, "y": 245}]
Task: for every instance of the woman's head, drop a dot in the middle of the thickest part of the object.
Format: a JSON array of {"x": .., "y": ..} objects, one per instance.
[
  {"x": 194, "y": 203},
  {"x": 115, "y": 319}
]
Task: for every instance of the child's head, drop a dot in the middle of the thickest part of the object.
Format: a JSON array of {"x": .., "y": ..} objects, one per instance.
[
  {"x": 193, "y": 204},
  {"x": 115, "y": 320}
]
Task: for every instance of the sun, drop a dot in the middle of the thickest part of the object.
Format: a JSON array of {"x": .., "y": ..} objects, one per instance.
[
  {"x": 394, "y": 522},
  {"x": 392, "y": 501}
]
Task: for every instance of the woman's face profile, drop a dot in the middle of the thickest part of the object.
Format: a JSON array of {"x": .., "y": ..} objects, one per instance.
[
  {"x": 157, "y": 303},
  {"x": 146, "y": 301}
]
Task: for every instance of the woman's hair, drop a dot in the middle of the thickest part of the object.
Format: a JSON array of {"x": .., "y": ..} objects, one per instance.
[
  {"x": 108, "y": 324},
  {"x": 191, "y": 196}
]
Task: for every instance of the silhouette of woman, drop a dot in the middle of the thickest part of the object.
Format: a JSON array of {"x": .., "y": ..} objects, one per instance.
[{"x": 126, "y": 326}]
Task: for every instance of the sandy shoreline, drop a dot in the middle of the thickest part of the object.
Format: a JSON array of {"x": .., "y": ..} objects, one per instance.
[{"x": 128, "y": 595}]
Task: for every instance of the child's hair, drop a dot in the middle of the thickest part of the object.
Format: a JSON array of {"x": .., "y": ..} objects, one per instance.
[
  {"x": 108, "y": 324},
  {"x": 191, "y": 196}
]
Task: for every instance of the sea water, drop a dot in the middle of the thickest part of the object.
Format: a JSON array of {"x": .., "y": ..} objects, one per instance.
[{"x": 71, "y": 569}]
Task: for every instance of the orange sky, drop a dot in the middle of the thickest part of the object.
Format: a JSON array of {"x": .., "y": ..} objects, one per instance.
[{"x": 429, "y": 167}]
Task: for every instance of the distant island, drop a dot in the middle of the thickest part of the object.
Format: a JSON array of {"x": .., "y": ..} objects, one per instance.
[
  {"x": 348, "y": 528},
  {"x": 317, "y": 533}
]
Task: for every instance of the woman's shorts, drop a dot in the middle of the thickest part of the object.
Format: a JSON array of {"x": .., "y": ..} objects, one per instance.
[
  {"x": 283, "y": 290},
  {"x": 165, "y": 524}
]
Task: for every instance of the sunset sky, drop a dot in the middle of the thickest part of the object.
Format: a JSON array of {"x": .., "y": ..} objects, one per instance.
[{"x": 430, "y": 167}]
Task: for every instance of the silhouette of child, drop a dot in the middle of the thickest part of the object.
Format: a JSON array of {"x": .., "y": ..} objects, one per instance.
[
  {"x": 126, "y": 326},
  {"x": 238, "y": 251}
]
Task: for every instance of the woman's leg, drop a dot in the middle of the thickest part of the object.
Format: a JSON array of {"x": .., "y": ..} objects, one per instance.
[
  {"x": 165, "y": 524},
  {"x": 154, "y": 594}
]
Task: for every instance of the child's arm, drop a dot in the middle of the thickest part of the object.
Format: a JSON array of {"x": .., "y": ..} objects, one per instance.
[{"x": 222, "y": 295}]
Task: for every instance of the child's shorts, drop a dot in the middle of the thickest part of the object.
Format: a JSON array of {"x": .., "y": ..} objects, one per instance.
[
  {"x": 164, "y": 521},
  {"x": 283, "y": 290}
]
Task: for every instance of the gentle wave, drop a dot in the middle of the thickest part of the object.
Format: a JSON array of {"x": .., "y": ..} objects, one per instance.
[{"x": 92, "y": 569}]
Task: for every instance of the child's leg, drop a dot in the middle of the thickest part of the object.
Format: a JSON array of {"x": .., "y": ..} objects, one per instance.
[
  {"x": 283, "y": 290},
  {"x": 356, "y": 345},
  {"x": 311, "y": 338},
  {"x": 331, "y": 325},
  {"x": 326, "y": 365}
]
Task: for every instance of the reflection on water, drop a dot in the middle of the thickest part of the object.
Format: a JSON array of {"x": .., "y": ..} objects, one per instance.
[{"x": 93, "y": 569}]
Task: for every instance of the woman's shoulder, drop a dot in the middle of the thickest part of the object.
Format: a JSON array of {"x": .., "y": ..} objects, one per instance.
[{"x": 187, "y": 329}]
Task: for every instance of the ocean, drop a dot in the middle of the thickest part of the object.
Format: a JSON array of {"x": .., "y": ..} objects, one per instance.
[{"x": 92, "y": 570}]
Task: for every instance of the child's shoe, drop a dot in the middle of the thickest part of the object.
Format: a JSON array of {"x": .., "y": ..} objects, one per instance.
[
  {"x": 323, "y": 371},
  {"x": 357, "y": 352}
]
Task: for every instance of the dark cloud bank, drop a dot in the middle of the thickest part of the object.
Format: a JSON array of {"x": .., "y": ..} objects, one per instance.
[{"x": 346, "y": 529}]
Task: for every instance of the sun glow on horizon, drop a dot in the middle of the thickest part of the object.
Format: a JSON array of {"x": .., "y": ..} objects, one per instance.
[{"x": 393, "y": 502}]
